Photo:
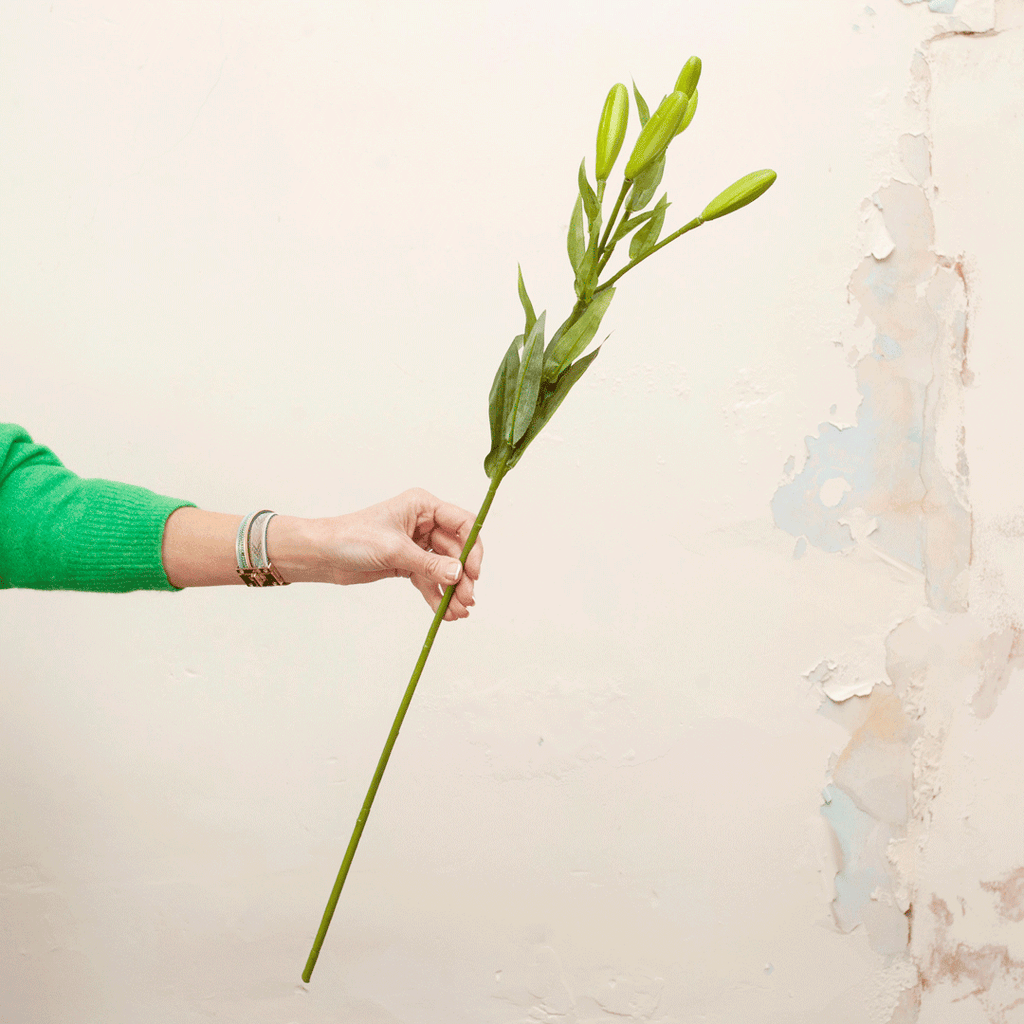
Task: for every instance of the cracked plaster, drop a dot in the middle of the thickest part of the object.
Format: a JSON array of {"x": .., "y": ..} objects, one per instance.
[{"x": 904, "y": 467}]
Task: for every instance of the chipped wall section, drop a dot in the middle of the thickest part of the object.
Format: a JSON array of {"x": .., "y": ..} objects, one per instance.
[{"x": 922, "y": 801}]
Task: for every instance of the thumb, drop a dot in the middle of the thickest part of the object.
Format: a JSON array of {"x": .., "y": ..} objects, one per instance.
[{"x": 437, "y": 568}]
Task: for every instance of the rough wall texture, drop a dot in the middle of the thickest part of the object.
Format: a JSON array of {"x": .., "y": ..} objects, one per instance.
[{"x": 911, "y": 799}]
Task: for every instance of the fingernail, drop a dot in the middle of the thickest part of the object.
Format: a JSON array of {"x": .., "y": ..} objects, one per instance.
[{"x": 454, "y": 571}]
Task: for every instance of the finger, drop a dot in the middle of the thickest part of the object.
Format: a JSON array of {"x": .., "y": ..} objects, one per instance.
[
  {"x": 433, "y": 596},
  {"x": 458, "y": 523},
  {"x": 449, "y": 545},
  {"x": 405, "y": 553},
  {"x": 428, "y": 588}
]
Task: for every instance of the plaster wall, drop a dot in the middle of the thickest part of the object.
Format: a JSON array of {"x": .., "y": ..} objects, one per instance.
[{"x": 733, "y": 732}]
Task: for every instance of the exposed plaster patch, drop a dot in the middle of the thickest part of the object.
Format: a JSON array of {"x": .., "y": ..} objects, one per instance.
[
  {"x": 987, "y": 973},
  {"x": 998, "y": 661},
  {"x": 867, "y": 806},
  {"x": 916, "y": 155},
  {"x": 907, "y": 501},
  {"x": 1011, "y": 895},
  {"x": 903, "y": 463}
]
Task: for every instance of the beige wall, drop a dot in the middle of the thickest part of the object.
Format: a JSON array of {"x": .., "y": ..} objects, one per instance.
[{"x": 733, "y": 732}]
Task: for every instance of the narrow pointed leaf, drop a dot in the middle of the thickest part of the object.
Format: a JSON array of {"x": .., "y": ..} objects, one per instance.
[
  {"x": 511, "y": 380},
  {"x": 577, "y": 337},
  {"x": 585, "y": 282},
  {"x": 646, "y": 185},
  {"x": 647, "y": 237},
  {"x": 496, "y": 399},
  {"x": 641, "y": 106},
  {"x": 627, "y": 225},
  {"x": 553, "y": 398},
  {"x": 524, "y": 400},
  {"x": 577, "y": 240},
  {"x": 590, "y": 203},
  {"x": 531, "y": 317},
  {"x": 500, "y": 392}
]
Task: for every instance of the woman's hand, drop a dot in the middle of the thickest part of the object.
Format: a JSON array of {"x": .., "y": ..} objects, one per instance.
[{"x": 414, "y": 535}]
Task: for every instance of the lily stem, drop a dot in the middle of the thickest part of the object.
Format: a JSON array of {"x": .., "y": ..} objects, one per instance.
[
  {"x": 357, "y": 832},
  {"x": 695, "y": 223}
]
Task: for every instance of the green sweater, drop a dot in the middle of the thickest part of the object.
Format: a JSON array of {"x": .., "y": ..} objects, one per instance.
[{"x": 60, "y": 532}]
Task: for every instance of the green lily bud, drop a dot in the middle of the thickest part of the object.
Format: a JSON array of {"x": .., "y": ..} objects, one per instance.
[
  {"x": 657, "y": 133},
  {"x": 691, "y": 109},
  {"x": 689, "y": 76},
  {"x": 612, "y": 130},
  {"x": 738, "y": 194}
]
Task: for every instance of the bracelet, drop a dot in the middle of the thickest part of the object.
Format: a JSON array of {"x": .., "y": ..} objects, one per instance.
[{"x": 251, "y": 553}]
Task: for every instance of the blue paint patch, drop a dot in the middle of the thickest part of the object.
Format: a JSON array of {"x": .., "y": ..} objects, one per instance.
[
  {"x": 857, "y": 879},
  {"x": 800, "y": 548},
  {"x": 941, "y": 6},
  {"x": 886, "y": 347},
  {"x": 879, "y": 457},
  {"x": 883, "y": 281},
  {"x": 838, "y": 451}
]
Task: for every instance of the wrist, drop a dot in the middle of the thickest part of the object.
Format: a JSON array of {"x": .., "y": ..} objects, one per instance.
[{"x": 295, "y": 550}]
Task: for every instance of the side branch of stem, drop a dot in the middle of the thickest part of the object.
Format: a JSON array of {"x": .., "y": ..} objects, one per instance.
[{"x": 695, "y": 223}]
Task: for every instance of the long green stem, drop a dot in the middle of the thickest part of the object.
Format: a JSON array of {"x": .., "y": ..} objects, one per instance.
[
  {"x": 695, "y": 223},
  {"x": 626, "y": 186},
  {"x": 357, "y": 832}
]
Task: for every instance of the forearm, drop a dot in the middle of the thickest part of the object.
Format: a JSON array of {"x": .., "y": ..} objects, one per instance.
[{"x": 199, "y": 548}]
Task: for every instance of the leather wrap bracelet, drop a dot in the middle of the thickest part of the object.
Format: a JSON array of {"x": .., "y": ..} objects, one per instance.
[{"x": 251, "y": 551}]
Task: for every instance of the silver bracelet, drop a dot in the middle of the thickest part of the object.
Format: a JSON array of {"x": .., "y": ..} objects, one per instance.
[{"x": 251, "y": 552}]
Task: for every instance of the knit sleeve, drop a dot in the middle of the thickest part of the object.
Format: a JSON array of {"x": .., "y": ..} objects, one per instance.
[{"x": 60, "y": 532}]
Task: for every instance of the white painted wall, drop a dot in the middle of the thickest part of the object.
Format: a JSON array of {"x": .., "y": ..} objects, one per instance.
[{"x": 265, "y": 253}]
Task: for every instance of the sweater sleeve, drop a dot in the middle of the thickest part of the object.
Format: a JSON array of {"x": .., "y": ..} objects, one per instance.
[{"x": 60, "y": 532}]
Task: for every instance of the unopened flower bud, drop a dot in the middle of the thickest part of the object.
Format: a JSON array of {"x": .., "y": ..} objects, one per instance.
[
  {"x": 657, "y": 133},
  {"x": 689, "y": 76},
  {"x": 612, "y": 130},
  {"x": 691, "y": 109},
  {"x": 739, "y": 193}
]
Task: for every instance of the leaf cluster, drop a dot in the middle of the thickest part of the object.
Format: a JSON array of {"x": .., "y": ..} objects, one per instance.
[{"x": 533, "y": 379}]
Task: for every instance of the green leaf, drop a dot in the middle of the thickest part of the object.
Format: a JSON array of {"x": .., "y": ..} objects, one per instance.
[
  {"x": 646, "y": 185},
  {"x": 491, "y": 460},
  {"x": 524, "y": 400},
  {"x": 577, "y": 240},
  {"x": 641, "y": 106},
  {"x": 531, "y": 317},
  {"x": 590, "y": 203},
  {"x": 496, "y": 399},
  {"x": 647, "y": 237},
  {"x": 511, "y": 380},
  {"x": 584, "y": 275},
  {"x": 628, "y": 224},
  {"x": 501, "y": 389},
  {"x": 552, "y": 399},
  {"x": 577, "y": 337}
]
